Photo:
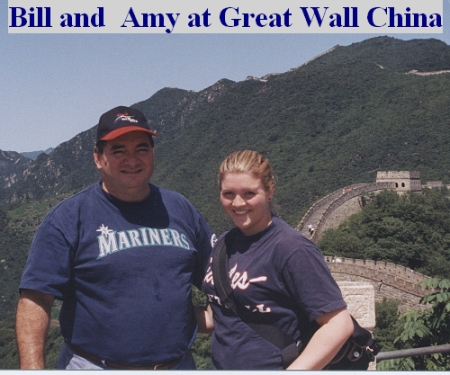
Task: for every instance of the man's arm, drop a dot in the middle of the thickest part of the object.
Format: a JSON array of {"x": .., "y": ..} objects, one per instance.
[
  {"x": 32, "y": 324},
  {"x": 335, "y": 328}
]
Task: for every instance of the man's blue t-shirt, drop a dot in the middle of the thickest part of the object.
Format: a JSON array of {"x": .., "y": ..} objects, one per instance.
[
  {"x": 124, "y": 272},
  {"x": 282, "y": 278}
]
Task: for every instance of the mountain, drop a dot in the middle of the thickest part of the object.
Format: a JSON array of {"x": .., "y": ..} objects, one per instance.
[
  {"x": 12, "y": 165},
  {"x": 425, "y": 55},
  {"x": 34, "y": 154},
  {"x": 331, "y": 122}
]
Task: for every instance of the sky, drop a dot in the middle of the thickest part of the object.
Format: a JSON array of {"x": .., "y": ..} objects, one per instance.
[{"x": 54, "y": 86}]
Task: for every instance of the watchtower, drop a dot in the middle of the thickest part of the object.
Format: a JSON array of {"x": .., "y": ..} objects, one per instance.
[{"x": 405, "y": 181}]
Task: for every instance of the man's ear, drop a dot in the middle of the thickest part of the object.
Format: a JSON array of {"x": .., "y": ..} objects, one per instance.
[{"x": 97, "y": 161}]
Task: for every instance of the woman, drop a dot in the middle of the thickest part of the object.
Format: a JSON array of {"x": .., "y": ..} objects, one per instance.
[{"x": 278, "y": 274}]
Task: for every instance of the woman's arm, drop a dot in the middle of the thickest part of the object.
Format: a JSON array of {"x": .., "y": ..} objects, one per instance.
[
  {"x": 204, "y": 318},
  {"x": 335, "y": 328}
]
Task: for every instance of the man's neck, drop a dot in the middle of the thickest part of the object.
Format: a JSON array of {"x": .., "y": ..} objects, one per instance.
[{"x": 129, "y": 196}]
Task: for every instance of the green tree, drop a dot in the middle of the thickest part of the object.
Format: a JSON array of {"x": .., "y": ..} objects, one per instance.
[
  {"x": 428, "y": 328},
  {"x": 387, "y": 323},
  {"x": 412, "y": 230},
  {"x": 8, "y": 353},
  {"x": 201, "y": 351}
]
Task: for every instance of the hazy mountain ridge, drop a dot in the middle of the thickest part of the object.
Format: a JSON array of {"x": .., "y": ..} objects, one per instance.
[
  {"x": 12, "y": 165},
  {"x": 393, "y": 54},
  {"x": 34, "y": 154},
  {"x": 331, "y": 122},
  {"x": 70, "y": 166}
]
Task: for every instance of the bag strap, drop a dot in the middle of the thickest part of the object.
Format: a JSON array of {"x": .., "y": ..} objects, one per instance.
[
  {"x": 290, "y": 349},
  {"x": 220, "y": 271}
]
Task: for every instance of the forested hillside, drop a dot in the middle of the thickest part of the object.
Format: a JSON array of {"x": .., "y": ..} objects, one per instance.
[
  {"x": 332, "y": 122},
  {"x": 411, "y": 230}
]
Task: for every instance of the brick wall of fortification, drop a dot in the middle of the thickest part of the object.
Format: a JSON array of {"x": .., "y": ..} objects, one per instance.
[
  {"x": 406, "y": 181},
  {"x": 346, "y": 195},
  {"x": 388, "y": 279},
  {"x": 383, "y": 175},
  {"x": 342, "y": 213},
  {"x": 323, "y": 203},
  {"x": 406, "y": 301}
]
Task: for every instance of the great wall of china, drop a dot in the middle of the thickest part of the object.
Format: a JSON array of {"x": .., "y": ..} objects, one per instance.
[{"x": 389, "y": 281}]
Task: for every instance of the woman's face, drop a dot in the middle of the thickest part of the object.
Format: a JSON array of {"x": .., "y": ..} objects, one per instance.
[{"x": 246, "y": 202}]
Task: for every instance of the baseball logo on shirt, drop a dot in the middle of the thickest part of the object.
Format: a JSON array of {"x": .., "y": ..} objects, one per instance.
[
  {"x": 240, "y": 281},
  {"x": 111, "y": 241}
]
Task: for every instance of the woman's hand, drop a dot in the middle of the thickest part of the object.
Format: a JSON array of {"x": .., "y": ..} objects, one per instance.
[{"x": 204, "y": 318}]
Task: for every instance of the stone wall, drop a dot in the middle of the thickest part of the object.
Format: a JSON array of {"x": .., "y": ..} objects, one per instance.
[
  {"x": 320, "y": 210},
  {"x": 322, "y": 205},
  {"x": 345, "y": 196},
  {"x": 405, "y": 181},
  {"x": 319, "y": 213},
  {"x": 342, "y": 213},
  {"x": 360, "y": 299},
  {"x": 389, "y": 280}
]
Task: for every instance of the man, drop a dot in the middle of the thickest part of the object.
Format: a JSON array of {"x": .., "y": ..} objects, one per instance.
[{"x": 122, "y": 255}]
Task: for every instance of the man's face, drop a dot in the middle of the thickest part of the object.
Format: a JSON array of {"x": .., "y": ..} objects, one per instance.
[{"x": 126, "y": 165}]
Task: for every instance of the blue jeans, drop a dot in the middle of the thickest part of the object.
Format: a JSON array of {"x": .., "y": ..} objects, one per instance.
[{"x": 68, "y": 360}]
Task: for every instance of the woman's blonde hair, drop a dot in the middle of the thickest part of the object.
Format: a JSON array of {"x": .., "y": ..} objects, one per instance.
[{"x": 248, "y": 161}]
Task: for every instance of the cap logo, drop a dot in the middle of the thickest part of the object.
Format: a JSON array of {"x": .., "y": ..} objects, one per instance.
[{"x": 124, "y": 117}]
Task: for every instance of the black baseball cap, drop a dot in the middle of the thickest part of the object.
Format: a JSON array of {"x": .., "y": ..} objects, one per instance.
[{"x": 119, "y": 121}]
